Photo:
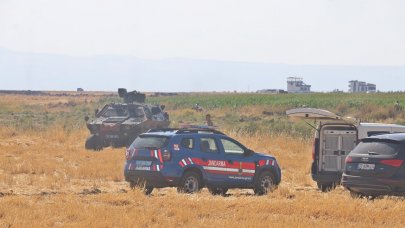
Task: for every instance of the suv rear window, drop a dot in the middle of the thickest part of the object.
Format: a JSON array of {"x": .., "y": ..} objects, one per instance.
[
  {"x": 378, "y": 147},
  {"x": 150, "y": 142}
]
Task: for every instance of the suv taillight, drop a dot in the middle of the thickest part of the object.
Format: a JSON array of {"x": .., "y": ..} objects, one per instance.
[
  {"x": 167, "y": 156},
  {"x": 349, "y": 159},
  {"x": 393, "y": 162},
  {"x": 128, "y": 153}
]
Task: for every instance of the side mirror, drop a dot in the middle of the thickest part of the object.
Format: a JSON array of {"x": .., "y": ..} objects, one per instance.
[
  {"x": 96, "y": 111},
  {"x": 162, "y": 107},
  {"x": 86, "y": 118}
]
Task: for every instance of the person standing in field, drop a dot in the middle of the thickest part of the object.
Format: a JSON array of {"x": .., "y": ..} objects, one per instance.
[
  {"x": 397, "y": 107},
  {"x": 208, "y": 120}
]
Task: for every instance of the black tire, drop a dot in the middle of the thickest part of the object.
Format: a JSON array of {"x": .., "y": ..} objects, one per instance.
[
  {"x": 326, "y": 187},
  {"x": 146, "y": 189},
  {"x": 218, "y": 191},
  {"x": 265, "y": 183},
  {"x": 359, "y": 195},
  {"x": 190, "y": 183},
  {"x": 356, "y": 195},
  {"x": 94, "y": 142}
]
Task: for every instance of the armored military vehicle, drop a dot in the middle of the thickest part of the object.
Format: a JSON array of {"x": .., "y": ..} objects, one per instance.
[{"x": 118, "y": 124}]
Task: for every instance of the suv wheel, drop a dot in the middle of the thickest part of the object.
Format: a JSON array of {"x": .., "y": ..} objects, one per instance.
[
  {"x": 218, "y": 191},
  {"x": 359, "y": 195},
  {"x": 356, "y": 195},
  {"x": 326, "y": 187},
  {"x": 147, "y": 189},
  {"x": 190, "y": 183},
  {"x": 265, "y": 183}
]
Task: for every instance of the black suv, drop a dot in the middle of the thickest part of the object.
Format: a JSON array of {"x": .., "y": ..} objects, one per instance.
[{"x": 376, "y": 166}]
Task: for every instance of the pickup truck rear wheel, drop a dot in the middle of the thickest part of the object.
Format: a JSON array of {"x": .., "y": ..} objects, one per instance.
[
  {"x": 265, "y": 183},
  {"x": 218, "y": 191},
  {"x": 190, "y": 183},
  {"x": 326, "y": 187}
]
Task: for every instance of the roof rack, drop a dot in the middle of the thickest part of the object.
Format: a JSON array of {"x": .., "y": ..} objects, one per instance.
[
  {"x": 197, "y": 130},
  {"x": 187, "y": 130},
  {"x": 163, "y": 129}
]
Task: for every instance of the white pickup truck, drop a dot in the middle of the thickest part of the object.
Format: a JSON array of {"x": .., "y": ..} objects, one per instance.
[{"x": 335, "y": 137}]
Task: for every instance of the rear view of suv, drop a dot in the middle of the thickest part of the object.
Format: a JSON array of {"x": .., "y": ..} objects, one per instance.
[
  {"x": 335, "y": 137},
  {"x": 191, "y": 159},
  {"x": 375, "y": 167}
]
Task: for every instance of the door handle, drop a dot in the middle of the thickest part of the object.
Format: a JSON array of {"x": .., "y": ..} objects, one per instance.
[
  {"x": 230, "y": 162},
  {"x": 204, "y": 159}
]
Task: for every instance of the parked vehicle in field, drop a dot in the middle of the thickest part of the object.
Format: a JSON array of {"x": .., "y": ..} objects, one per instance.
[
  {"x": 376, "y": 166},
  {"x": 191, "y": 159},
  {"x": 335, "y": 137},
  {"x": 118, "y": 124}
]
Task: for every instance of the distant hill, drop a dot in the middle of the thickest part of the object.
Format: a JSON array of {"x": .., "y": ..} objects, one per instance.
[{"x": 32, "y": 71}]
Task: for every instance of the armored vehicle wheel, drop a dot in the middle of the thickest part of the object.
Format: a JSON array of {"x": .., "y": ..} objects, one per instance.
[
  {"x": 190, "y": 183},
  {"x": 265, "y": 183},
  {"x": 218, "y": 191},
  {"x": 94, "y": 142},
  {"x": 326, "y": 187}
]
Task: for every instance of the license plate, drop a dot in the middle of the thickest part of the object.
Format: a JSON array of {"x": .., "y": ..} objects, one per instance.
[
  {"x": 112, "y": 136},
  {"x": 363, "y": 166},
  {"x": 143, "y": 165}
]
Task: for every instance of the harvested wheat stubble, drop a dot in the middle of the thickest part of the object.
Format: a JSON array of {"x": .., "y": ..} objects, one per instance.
[{"x": 48, "y": 179}]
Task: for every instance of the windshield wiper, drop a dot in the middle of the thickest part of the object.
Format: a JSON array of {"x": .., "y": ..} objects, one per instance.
[{"x": 373, "y": 153}]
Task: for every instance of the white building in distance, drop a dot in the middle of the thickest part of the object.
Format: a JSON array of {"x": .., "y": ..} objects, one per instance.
[
  {"x": 361, "y": 87},
  {"x": 297, "y": 85}
]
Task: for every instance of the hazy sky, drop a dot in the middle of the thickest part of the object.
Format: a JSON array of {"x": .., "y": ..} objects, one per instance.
[{"x": 333, "y": 32}]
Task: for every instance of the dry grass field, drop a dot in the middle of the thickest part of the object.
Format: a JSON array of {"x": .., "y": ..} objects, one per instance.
[{"x": 48, "y": 179}]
